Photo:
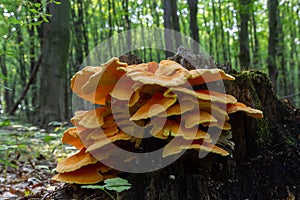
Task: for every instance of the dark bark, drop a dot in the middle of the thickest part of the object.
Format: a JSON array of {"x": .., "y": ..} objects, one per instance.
[
  {"x": 7, "y": 93},
  {"x": 271, "y": 62},
  {"x": 193, "y": 23},
  {"x": 33, "y": 95},
  {"x": 293, "y": 56},
  {"x": 216, "y": 33},
  {"x": 208, "y": 33},
  {"x": 127, "y": 24},
  {"x": 168, "y": 26},
  {"x": 225, "y": 59},
  {"x": 229, "y": 21},
  {"x": 110, "y": 23},
  {"x": 244, "y": 55},
  {"x": 175, "y": 21},
  {"x": 53, "y": 65},
  {"x": 256, "y": 56},
  {"x": 171, "y": 22}
]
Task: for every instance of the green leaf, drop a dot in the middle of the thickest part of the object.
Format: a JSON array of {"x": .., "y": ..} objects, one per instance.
[
  {"x": 2, "y": 76},
  {"x": 36, "y": 23},
  {"x": 57, "y": 2},
  {"x": 45, "y": 19},
  {"x": 38, "y": 5},
  {"x": 7, "y": 163},
  {"x": 117, "y": 184},
  {"x": 14, "y": 20},
  {"x": 34, "y": 11},
  {"x": 100, "y": 187},
  {"x": 5, "y": 123}
]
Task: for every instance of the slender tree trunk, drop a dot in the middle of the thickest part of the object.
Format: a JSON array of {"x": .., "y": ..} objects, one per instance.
[
  {"x": 168, "y": 26},
  {"x": 225, "y": 59},
  {"x": 229, "y": 21},
  {"x": 7, "y": 93},
  {"x": 216, "y": 28},
  {"x": 193, "y": 23},
  {"x": 256, "y": 56},
  {"x": 82, "y": 22},
  {"x": 77, "y": 38},
  {"x": 127, "y": 24},
  {"x": 208, "y": 31},
  {"x": 272, "y": 67},
  {"x": 175, "y": 21},
  {"x": 280, "y": 54},
  {"x": 53, "y": 73},
  {"x": 244, "y": 55},
  {"x": 32, "y": 51},
  {"x": 292, "y": 54},
  {"x": 110, "y": 23}
]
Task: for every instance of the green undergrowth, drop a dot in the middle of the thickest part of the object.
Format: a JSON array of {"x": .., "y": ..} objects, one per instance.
[{"x": 22, "y": 144}]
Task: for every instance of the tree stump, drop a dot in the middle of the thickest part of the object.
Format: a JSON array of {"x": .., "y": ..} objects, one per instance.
[{"x": 263, "y": 165}]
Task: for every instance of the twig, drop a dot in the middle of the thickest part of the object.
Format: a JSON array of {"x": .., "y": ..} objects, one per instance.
[
  {"x": 31, "y": 79},
  {"x": 289, "y": 96}
]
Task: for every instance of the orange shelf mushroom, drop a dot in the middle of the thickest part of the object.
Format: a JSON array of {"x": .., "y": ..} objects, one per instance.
[{"x": 155, "y": 96}]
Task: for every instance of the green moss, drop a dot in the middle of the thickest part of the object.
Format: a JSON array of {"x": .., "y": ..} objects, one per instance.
[
  {"x": 263, "y": 132},
  {"x": 252, "y": 84}
]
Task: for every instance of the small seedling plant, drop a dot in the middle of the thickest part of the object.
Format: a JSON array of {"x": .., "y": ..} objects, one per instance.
[{"x": 114, "y": 184}]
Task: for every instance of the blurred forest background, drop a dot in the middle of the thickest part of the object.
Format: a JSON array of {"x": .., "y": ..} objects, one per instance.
[{"x": 43, "y": 43}]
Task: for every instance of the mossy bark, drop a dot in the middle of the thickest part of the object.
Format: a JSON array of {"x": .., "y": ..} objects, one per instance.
[{"x": 263, "y": 165}]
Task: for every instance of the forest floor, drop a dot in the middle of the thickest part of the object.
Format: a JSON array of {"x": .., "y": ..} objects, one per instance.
[{"x": 28, "y": 157}]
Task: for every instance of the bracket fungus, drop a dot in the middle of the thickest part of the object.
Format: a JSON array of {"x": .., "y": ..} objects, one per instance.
[{"x": 156, "y": 97}]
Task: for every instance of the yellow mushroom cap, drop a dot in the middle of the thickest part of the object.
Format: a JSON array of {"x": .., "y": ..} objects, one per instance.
[
  {"x": 173, "y": 128},
  {"x": 76, "y": 161},
  {"x": 85, "y": 175},
  {"x": 94, "y": 85},
  {"x": 232, "y": 108},
  {"x": 180, "y": 144},
  {"x": 207, "y": 95},
  {"x": 156, "y": 105},
  {"x": 192, "y": 119},
  {"x": 71, "y": 137},
  {"x": 167, "y": 73},
  {"x": 104, "y": 141},
  {"x": 91, "y": 119},
  {"x": 201, "y": 76}
]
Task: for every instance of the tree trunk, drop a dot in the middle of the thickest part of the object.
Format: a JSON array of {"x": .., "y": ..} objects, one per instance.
[
  {"x": 225, "y": 59},
  {"x": 216, "y": 34},
  {"x": 168, "y": 25},
  {"x": 256, "y": 56},
  {"x": 244, "y": 55},
  {"x": 7, "y": 93},
  {"x": 193, "y": 23},
  {"x": 175, "y": 22},
  {"x": 53, "y": 73},
  {"x": 33, "y": 94},
  {"x": 127, "y": 24},
  {"x": 272, "y": 66},
  {"x": 208, "y": 31}
]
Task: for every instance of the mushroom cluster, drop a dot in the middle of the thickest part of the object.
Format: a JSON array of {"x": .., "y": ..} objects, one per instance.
[{"x": 135, "y": 101}]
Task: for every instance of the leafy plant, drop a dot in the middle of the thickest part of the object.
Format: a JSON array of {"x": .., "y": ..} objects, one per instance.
[
  {"x": 114, "y": 184},
  {"x": 5, "y": 123}
]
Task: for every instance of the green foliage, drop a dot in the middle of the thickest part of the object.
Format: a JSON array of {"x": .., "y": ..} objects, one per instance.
[
  {"x": 2, "y": 77},
  {"x": 5, "y": 123},
  {"x": 22, "y": 142},
  {"x": 117, "y": 184},
  {"x": 113, "y": 184}
]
